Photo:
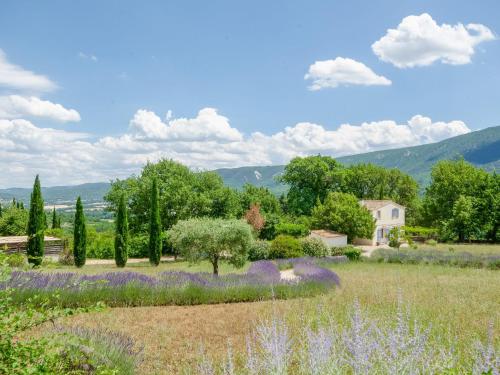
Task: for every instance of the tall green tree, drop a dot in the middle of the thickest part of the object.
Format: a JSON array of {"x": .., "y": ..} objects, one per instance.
[
  {"x": 0, "y": 210},
  {"x": 155, "y": 226},
  {"x": 341, "y": 212},
  {"x": 310, "y": 179},
  {"x": 36, "y": 226},
  {"x": 79, "y": 235},
  {"x": 121, "y": 234},
  {"x": 54, "y": 218}
]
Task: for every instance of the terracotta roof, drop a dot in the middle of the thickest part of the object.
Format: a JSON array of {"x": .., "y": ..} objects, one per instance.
[
  {"x": 373, "y": 204},
  {"x": 22, "y": 239},
  {"x": 327, "y": 233}
]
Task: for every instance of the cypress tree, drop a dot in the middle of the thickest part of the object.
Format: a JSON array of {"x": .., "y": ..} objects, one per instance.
[
  {"x": 22, "y": 205},
  {"x": 155, "y": 227},
  {"x": 54, "y": 217},
  {"x": 36, "y": 226},
  {"x": 79, "y": 235},
  {"x": 0, "y": 210},
  {"x": 121, "y": 234}
]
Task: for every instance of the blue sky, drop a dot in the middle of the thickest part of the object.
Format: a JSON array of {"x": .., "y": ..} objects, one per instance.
[{"x": 111, "y": 59}]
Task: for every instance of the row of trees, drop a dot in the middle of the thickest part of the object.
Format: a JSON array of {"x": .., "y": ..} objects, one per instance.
[
  {"x": 319, "y": 186},
  {"x": 37, "y": 224}
]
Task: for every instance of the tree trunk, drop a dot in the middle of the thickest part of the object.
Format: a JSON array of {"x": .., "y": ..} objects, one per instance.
[{"x": 215, "y": 264}]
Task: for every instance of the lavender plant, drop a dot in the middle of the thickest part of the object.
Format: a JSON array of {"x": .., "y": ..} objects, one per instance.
[
  {"x": 459, "y": 259},
  {"x": 262, "y": 281},
  {"x": 397, "y": 346}
]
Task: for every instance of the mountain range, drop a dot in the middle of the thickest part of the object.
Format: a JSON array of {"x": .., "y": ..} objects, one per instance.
[{"x": 481, "y": 148}]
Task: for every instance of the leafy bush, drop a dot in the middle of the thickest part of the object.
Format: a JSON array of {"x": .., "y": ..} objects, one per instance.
[
  {"x": 16, "y": 260},
  {"x": 258, "y": 250},
  {"x": 291, "y": 229},
  {"x": 66, "y": 257},
  {"x": 269, "y": 231},
  {"x": 285, "y": 247},
  {"x": 100, "y": 245},
  {"x": 138, "y": 246},
  {"x": 431, "y": 242},
  {"x": 314, "y": 247},
  {"x": 394, "y": 237},
  {"x": 352, "y": 253},
  {"x": 337, "y": 250}
]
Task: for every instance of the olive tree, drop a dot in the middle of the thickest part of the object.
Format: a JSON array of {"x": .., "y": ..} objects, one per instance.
[{"x": 215, "y": 240}]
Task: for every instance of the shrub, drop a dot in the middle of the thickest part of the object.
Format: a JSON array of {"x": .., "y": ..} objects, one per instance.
[
  {"x": 337, "y": 250},
  {"x": 66, "y": 257},
  {"x": 16, "y": 260},
  {"x": 291, "y": 229},
  {"x": 431, "y": 242},
  {"x": 258, "y": 250},
  {"x": 394, "y": 237},
  {"x": 285, "y": 247},
  {"x": 314, "y": 247},
  {"x": 269, "y": 231},
  {"x": 352, "y": 253},
  {"x": 139, "y": 246},
  {"x": 100, "y": 245}
]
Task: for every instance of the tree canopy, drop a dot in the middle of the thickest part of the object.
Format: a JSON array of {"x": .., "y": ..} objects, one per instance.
[
  {"x": 212, "y": 239},
  {"x": 341, "y": 212},
  {"x": 183, "y": 194}
]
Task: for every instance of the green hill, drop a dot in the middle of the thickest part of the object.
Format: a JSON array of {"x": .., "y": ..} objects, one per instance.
[
  {"x": 60, "y": 195},
  {"x": 481, "y": 148}
]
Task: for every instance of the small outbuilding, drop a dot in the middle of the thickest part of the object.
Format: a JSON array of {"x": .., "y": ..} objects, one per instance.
[
  {"x": 330, "y": 238},
  {"x": 18, "y": 244}
]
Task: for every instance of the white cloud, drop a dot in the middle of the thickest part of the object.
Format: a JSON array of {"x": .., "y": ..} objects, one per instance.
[
  {"x": 15, "y": 106},
  {"x": 87, "y": 56},
  {"x": 14, "y": 76},
  {"x": 420, "y": 41},
  {"x": 205, "y": 141},
  {"x": 342, "y": 71},
  {"x": 207, "y": 125}
]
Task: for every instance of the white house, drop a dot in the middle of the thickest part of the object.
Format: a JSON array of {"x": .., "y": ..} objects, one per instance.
[
  {"x": 387, "y": 215},
  {"x": 329, "y": 237}
]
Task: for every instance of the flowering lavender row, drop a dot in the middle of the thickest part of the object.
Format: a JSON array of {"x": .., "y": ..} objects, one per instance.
[
  {"x": 261, "y": 273},
  {"x": 319, "y": 261},
  {"x": 396, "y": 346},
  {"x": 461, "y": 259}
]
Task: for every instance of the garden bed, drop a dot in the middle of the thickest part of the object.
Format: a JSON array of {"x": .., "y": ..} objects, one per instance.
[{"x": 262, "y": 281}]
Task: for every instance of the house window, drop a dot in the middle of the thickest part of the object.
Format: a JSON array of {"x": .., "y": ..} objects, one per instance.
[
  {"x": 378, "y": 214},
  {"x": 395, "y": 213}
]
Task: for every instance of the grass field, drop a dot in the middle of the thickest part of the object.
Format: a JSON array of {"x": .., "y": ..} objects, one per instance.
[{"x": 455, "y": 302}]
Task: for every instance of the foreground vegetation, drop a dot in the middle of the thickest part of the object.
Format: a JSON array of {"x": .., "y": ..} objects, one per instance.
[{"x": 457, "y": 304}]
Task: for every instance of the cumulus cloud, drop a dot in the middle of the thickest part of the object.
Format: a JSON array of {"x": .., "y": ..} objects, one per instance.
[
  {"x": 205, "y": 141},
  {"x": 14, "y": 76},
  {"x": 342, "y": 71},
  {"x": 15, "y": 106},
  {"x": 207, "y": 125},
  {"x": 420, "y": 41}
]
